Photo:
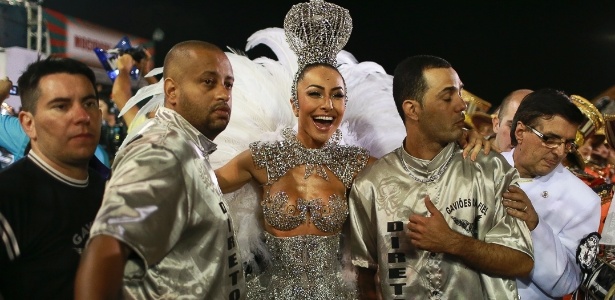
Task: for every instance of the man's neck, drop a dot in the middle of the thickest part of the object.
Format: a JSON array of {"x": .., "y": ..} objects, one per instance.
[
  {"x": 522, "y": 172},
  {"x": 423, "y": 151},
  {"x": 79, "y": 172}
]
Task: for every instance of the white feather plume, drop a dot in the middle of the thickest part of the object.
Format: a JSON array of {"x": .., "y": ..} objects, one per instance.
[
  {"x": 275, "y": 39},
  {"x": 152, "y": 105},
  {"x": 154, "y": 72},
  {"x": 144, "y": 93},
  {"x": 261, "y": 104},
  {"x": 260, "y": 109},
  {"x": 371, "y": 114}
]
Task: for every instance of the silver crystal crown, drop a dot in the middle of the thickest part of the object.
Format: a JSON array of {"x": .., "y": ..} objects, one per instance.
[{"x": 316, "y": 32}]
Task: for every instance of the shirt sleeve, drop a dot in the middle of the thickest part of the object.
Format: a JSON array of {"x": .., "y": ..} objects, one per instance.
[
  {"x": 363, "y": 226},
  {"x": 9, "y": 247},
  {"x": 12, "y": 136},
  {"x": 507, "y": 230},
  {"x": 556, "y": 271},
  {"x": 145, "y": 204}
]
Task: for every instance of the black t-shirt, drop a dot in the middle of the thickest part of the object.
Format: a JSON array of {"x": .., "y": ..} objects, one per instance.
[{"x": 45, "y": 222}]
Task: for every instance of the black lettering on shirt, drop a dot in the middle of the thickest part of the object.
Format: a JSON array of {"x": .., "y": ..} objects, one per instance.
[
  {"x": 234, "y": 295},
  {"x": 463, "y": 203},
  {"x": 395, "y": 226},
  {"x": 397, "y": 273},
  {"x": 397, "y": 287},
  {"x": 231, "y": 242},
  {"x": 395, "y": 242},
  {"x": 230, "y": 226},
  {"x": 232, "y": 260},
  {"x": 482, "y": 208},
  {"x": 223, "y": 207},
  {"x": 234, "y": 277},
  {"x": 397, "y": 257}
]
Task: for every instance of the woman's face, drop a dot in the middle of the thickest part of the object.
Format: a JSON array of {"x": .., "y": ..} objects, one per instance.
[{"x": 321, "y": 94}]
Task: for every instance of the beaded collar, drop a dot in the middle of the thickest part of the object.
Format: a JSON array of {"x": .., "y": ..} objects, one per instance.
[{"x": 281, "y": 156}]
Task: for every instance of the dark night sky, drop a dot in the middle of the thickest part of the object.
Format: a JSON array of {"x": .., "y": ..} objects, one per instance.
[{"x": 495, "y": 46}]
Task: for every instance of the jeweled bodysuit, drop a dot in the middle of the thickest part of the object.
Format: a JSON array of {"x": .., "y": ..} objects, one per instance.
[{"x": 305, "y": 266}]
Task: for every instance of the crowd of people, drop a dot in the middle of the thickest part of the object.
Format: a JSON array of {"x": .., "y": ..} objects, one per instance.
[{"x": 446, "y": 214}]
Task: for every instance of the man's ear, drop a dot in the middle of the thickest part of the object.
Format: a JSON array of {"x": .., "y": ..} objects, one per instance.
[
  {"x": 27, "y": 123},
  {"x": 495, "y": 121},
  {"x": 412, "y": 109},
  {"x": 519, "y": 132},
  {"x": 171, "y": 92}
]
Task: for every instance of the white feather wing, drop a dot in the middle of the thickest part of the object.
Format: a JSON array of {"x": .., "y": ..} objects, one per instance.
[
  {"x": 371, "y": 115},
  {"x": 260, "y": 109},
  {"x": 142, "y": 94},
  {"x": 261, "y": 104},
  {"x": 275, "y": 39}
]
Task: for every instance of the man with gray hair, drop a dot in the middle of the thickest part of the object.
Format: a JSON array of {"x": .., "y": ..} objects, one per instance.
[{"x": 561, "y": 210}]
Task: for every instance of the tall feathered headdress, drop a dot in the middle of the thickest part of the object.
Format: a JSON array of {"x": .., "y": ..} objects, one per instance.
[{"x": 316, "y": 31}]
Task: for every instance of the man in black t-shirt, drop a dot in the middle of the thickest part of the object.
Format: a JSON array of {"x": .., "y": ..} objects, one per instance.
[{"x": 50, "y": 198}]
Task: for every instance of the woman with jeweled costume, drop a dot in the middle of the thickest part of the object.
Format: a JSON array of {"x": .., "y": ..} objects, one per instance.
[{"x": 304, "y": 177}]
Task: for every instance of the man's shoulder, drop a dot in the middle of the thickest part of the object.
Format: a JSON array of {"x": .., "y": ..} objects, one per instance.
[
  {"x": 96, "y": 180},
  {"x": 385, "y": 164},
  {"x": 19, "y": 181},
  {"x": 161, "y": 146},
  {"x": 570, "y": 183},
  {"x": 493, "y": 157},
  {"x": 490, "y": 161},
  {"x": 17, "y": 172},
  {"x": 156, "y": 137},
  {"x": 386, "y": 161},
  {"x": 153, "y": 132}
]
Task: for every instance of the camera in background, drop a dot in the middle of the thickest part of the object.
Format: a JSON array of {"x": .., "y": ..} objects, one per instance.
[
  {"x": 109, "y": 57},
  {"x": 14, "y": 90}
]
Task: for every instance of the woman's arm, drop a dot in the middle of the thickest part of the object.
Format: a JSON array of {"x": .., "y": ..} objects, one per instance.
[{"x": 237, "y": 172}]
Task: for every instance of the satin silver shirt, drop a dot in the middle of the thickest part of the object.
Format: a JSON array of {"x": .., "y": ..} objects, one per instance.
[
  {"x": 469, "y": 196},
  {"x": 164, "y": 202}
]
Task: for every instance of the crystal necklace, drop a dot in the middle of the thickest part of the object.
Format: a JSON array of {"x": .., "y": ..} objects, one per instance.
[
  {"x": 314, "y": 159},
  {"x": 435, "y": 174}
]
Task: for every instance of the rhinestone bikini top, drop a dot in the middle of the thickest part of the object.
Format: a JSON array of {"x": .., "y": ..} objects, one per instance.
[{"x": 281, "y": 156}]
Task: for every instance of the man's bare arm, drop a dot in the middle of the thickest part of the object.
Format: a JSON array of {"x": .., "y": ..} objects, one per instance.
[
  {"x": 5, "y": 87},
  {"x": 433, "y": 234},
  {"x": 366, "y": 284},
  {"x": 101, "y": 269},
  {"x": 491, "y": 258},
  {"x": 121, "y": 91}
]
